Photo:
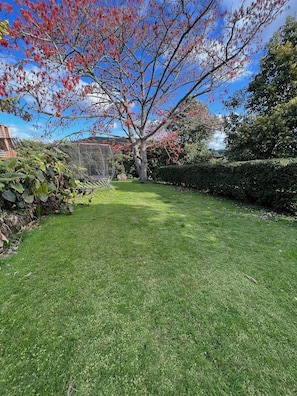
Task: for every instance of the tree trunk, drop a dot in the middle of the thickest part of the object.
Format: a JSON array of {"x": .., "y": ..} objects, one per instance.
[{"x": 140, "y": 159}]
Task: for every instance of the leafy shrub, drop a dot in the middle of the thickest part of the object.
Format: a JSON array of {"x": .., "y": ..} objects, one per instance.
[
  {"x": 41, "y": 182},
  {"x": 271, "y": 183}
]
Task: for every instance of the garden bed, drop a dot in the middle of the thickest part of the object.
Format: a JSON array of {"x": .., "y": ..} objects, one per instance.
[{"x": 13, "y": 223}]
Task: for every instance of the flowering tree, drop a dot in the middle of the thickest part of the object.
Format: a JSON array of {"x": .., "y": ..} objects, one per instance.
[
  {"x": 11, "y": 104},
  {"x": 133, "y": 61}
]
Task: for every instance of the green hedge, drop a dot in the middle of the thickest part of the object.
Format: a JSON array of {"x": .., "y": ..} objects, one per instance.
[{"x": 271, "y": 183}]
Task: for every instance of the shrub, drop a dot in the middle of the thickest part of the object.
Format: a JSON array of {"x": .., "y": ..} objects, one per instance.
[
  {"x": 41, "y": 182},
  {"x": 271, "y": 183}
]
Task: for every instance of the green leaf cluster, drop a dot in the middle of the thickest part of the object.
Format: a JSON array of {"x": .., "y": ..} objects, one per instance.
[
  {"x": 194, "y": 122},
  {"x": 196, "y": 127},
  {"x": 268, "y": 126},
  {"x": 3, "y": 28},
  {"x": 39, "y": 181},
  {"x": 276, "y": 83},
  {"x": 270, "y": 183}
]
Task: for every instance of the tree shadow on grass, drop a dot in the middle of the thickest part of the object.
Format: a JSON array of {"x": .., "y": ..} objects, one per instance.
[{"x": 179, "y": 193}]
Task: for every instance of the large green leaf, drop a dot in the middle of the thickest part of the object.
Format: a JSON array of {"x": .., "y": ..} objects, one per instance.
[
  {"x": 11, "y": 176},
  {"x": 29, "y": 199},
  {"x": 18, "y": 187},
  {"x": 43, "y": 189},
  {"x": 51, "y": 187},
  {"x": 40, "y": 176},
  {"x": 51, "y": 171},
  {"x": 9, "y": 195},
  {"x": 43, "y": 197},
  {"x": 21, "y": 204},
  {"x": 11, "y": 162}
]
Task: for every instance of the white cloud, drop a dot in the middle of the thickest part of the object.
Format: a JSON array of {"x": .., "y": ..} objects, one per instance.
[
  {"x": 21, "y": 132},
  {"x": 217, "y": 143}
]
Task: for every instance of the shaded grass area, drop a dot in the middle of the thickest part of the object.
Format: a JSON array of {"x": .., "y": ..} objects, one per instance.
[{"x": 144, "y": 292}]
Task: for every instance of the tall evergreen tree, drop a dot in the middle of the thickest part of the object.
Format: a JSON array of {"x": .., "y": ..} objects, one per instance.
[
  {"x": 268, "y": 126},
  {"x": 276, "y": 83}
]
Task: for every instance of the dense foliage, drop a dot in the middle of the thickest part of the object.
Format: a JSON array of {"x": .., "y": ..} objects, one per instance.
[
  {"x": 194, "y": 122},
  {"x": 165, "y": 150},
  {"x": 268, "y": 126},
  {"x": 179, "y": 145},
  {"x": 39, "y": 181},
  {"x": 11, "y": 104},
  {"x": 276, "y": 83},
  {"x": 271, "y": 183}
]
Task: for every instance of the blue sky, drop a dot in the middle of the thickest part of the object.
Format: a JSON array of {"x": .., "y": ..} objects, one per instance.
[{"x": 24, "y": 130}]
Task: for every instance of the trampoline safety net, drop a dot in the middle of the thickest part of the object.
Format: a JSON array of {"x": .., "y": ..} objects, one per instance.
[{"x": 92, "y": 163}]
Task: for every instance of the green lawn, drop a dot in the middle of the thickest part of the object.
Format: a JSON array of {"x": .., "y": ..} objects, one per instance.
[{"x": 144, "y": 292}]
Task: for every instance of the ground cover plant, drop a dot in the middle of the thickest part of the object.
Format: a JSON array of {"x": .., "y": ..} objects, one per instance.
[{"x": 152, "y": 290}]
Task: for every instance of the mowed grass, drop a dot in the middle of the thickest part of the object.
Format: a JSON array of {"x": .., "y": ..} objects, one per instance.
[{"x": 145, "y": 292}]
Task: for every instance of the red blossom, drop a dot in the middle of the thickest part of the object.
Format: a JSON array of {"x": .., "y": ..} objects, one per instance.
[
  {"x": 4, "y": 42},
  {"x": 37, "y": 57},
  {"x": 18, "y": 24},
  {"x": 6, "y": 7}
]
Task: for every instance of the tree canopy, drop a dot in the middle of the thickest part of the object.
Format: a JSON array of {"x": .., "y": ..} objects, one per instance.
[
  {"x": 194, "y": 122},
  {"x": 135, "y": 62},
  {"x": 268, "y": 126},
  {"x": 196, "y": 127},
  {"x": 277, "y": 81},
  {"x": 10, "y": 104}
]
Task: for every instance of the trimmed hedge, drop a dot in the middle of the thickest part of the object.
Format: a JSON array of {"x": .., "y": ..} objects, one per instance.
[{"x": 270, "y": 183}]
